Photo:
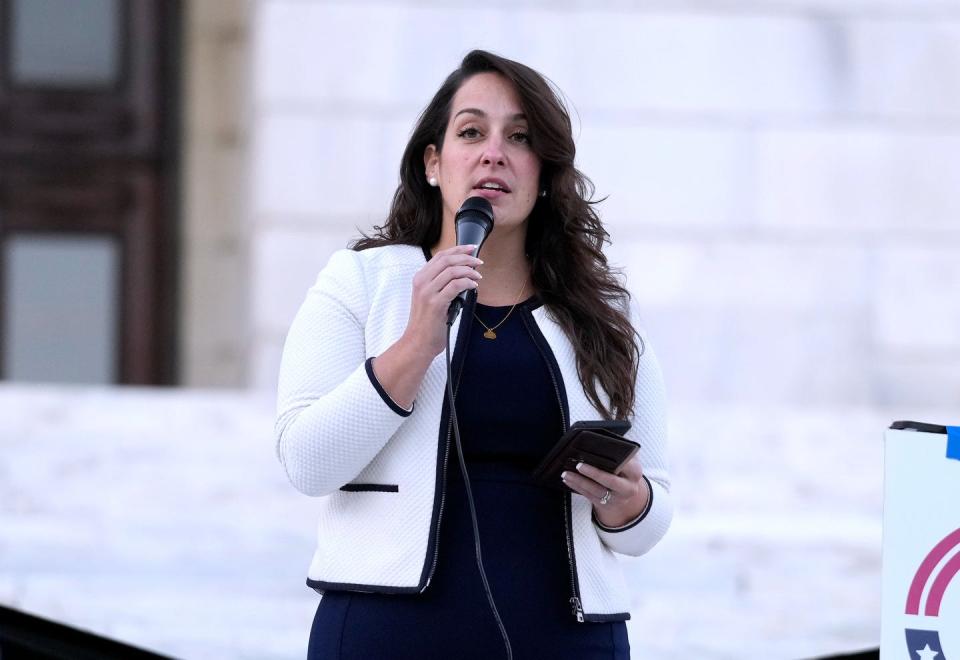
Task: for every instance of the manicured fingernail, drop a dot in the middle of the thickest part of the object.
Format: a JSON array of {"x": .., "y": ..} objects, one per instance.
[
  {"x": 563, "y": 475},
  {"x": 579, "y": 466}
]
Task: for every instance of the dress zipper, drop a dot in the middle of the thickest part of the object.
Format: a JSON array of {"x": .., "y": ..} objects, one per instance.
[{"x": 575, "y": 599}]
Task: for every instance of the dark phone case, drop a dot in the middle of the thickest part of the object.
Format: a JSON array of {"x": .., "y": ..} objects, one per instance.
[{"x": 595, "y": 443}]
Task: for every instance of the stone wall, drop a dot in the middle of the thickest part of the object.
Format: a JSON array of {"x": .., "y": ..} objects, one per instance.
[
  {"x": 163, "y": 518},
  {"x": 782, "y": 177},
  {"x": 214, "y": 276}
]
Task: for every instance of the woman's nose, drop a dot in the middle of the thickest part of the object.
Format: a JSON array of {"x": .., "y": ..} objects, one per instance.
[{"x": 493, "y": 152}]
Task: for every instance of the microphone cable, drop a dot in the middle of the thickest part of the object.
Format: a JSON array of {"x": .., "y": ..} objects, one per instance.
[{"x": 466, "y": 483}]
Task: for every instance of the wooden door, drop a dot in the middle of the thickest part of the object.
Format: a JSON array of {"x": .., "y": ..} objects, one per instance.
[{"x": 88, "y": 165}]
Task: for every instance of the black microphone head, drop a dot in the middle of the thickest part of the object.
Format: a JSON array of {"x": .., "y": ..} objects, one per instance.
[
  {"x": 474, "y": 222},
  {"x": 477, "y": 204}
]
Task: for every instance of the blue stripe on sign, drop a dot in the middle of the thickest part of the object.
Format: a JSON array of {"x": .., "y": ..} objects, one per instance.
[{"x": 953, "y": 442}]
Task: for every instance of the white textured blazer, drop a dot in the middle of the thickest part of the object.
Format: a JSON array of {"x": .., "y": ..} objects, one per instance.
[{"x": 379, "y": 469}]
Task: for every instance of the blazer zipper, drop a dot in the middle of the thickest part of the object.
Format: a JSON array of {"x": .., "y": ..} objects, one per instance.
[
  {"x": 575, "y": 603},
  {"x": 443, "y": 496},
  {"x": 575, "y": 599}
]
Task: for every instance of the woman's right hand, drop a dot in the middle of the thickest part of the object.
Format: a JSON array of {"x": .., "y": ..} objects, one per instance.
[
  {"x": 400, "y": 369},
  {"x": 449, "y": 272}
]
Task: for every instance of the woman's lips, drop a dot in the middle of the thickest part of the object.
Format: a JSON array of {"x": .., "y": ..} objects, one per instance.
[{"x": 489, "y": 193}]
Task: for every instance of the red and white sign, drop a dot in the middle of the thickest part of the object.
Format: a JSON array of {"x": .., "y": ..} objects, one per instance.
[{"x": 921, "y": 543}]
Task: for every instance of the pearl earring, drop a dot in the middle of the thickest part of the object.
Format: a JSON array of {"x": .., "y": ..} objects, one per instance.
[
  {"x": 432, "y": 181},
  {"x": 543, "y": 193}
]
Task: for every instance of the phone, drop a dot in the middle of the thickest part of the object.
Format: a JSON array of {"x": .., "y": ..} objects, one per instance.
[{"x": 599, "y": 443}]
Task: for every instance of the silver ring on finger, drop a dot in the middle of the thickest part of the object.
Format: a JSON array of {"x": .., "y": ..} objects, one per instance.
[{"x": 606, "y": 497}]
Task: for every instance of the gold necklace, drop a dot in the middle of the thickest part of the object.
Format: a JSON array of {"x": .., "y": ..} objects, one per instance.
[{"x": 490, "y": 334}]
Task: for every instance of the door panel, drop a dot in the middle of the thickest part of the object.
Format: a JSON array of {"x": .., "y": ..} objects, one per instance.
[{"x": 88, "y": 160}]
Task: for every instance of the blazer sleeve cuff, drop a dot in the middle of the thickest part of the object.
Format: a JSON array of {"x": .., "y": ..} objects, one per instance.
[
  {"x": 403, "y": 412},
  {"x": 638, "y": 536},
  {"x": 632, "y": 523}
]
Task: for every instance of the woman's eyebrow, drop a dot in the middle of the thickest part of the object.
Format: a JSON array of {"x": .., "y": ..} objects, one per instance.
[{"x": 480, "y": 113}]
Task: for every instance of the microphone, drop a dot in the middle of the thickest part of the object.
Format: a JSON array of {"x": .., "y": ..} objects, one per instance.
[{"x": 474, "y": 222}]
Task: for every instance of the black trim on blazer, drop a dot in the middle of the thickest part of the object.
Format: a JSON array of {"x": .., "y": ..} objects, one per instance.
[
  {"x": 552, "y": 365},
  {"x": 614, "y": 530},
  {"x": 320, "y": 586},
  {"x": 533, "y": 302},
  {"x": 379, "y": 488},
  {"x": 459, "y": 354},
  {"x": 545, "y": 350},
  {"x": 383, "y": 393},
  {"x": 605, "y": 618}
]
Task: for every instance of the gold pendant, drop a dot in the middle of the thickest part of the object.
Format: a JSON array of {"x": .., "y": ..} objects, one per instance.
[{"x": 490, "y": 334}]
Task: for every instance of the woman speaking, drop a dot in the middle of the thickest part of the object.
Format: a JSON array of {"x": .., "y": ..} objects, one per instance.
[{"x": 547, "y": 337}]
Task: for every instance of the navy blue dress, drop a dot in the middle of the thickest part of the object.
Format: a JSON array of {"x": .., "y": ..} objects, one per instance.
[{"x": 509, "y": 417}]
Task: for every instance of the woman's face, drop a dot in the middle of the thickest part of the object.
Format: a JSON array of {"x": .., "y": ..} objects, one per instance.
[{"x": 486, "y": 152}]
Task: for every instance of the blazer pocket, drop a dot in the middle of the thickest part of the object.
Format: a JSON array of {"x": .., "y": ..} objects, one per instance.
[{"x": 379, "y": 488}]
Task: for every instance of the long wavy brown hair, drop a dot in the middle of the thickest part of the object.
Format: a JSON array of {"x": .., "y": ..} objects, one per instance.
[{"x": 565, "y": 236}]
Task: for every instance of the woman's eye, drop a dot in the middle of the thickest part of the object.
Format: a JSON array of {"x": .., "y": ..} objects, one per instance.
[
  {"x": 520, "y": 136},
  {"x": 468, "y": 133}
]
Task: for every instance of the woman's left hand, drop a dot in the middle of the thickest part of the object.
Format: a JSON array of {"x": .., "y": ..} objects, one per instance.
[{"x": 629, "y": 492}]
